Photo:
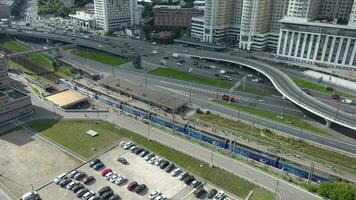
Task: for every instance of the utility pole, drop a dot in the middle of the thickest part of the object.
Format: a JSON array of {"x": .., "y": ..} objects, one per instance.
[
  {"x": 174, "y": 110},
  {"x": 300, "y": 96},
  {"x": 252, "y": 127},
  {"x": 338, "y": 108},
  {"x": 311, "y": 172},
  {"x": 275, "y": 191},
  {"x": 212, "y": 156},
  {"x": 300, "y": 133}
]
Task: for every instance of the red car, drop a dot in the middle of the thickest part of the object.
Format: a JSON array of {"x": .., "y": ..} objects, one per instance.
[
  {"x": 88, "y": 180},
  {"x": 335, "y": 97},
  {"x": 105, "y": 171},
  {"x": 132, "y": 186}
]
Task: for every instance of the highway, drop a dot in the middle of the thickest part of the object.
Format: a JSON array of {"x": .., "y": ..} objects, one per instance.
[
  {"x": 280, "y": 80},
  {"x": 113, "y": 45}
]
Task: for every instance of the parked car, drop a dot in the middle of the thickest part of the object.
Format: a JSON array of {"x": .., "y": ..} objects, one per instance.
[
  {"x": 189, "y": 180},
  {"x": 196, "y": 183},
  {"x": 122, "y": 160},
  {"x": 140, "y": 188},
  {"x": 176, "y": 172},
  {"x": 154, "y": 194},
  {"x": 87, "y": 195},
  {"x": 81, "y": 192},
  {"x": 58, "y": 178},
  {"x": 105, "y": 171},
  {"x": 94, "y": 162},
  {"x": 98, "y": 166},
  {"x": 109, "y": 175},
  {"x": 72, "y": 184},
  {"x": 113, "y": 178},
  {"x": 183, "y": 175},
  {"x": 170, "y": 167},
  {"x": 219, "y": 195},
  {"x": 158, "y": 161},
  {"x": 79, "y": 176},
  {"x": 78, "y": 187},
  {"x": 120, "y": 180},
  {"x": 335, "y": 97},
  {"x": 122, "y": 143},
  {"x": 149, "y": 156},
  {"x": 199, "y": 192},
  {"x": 64, "y": 182},
  {"x": 132, "y": 185},
  {"x": 164, "y": 164},
  {"x": 103, "y": 190},
  {"x": 212, "y": 193},
  {"x": 73, "y": 173},
  {"x": 144, "y": 153},
  {"x": 107, "y": 194},
  {"x": 89, "y": 180},
  {"x": 114, "y": 197}
]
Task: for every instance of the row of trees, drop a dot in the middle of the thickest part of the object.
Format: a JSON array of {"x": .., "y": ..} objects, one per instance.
[
  {"x": 334, "y": 190},
  {"x": 57, "y": 8}
]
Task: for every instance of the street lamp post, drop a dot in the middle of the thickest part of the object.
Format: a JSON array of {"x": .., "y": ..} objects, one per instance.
[{"x": 337, "y": 111}]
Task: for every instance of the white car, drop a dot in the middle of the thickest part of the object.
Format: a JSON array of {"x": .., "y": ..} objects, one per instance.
[
  {"x": 176, "y": 172},
  {"x": 87, "y": 195},
  {"x": 154, "y": 194},
  {"x": 113, "y": 178},
  {"x": 122, "y": 143},
  {"x": 120, "y": 180},
  {"x": 249, "y": 75},
  {"x": 72, "y": 184},
  {"x": 108, "y": 175},
  {"x": 158, "y": 161},
  {"x": 179, "y": 64},
  {"x": 29, "y": 196},
  {"x": 256, "y": 80},
  {"x": 58, "y": 178},
  {"x": 128, "y": 144},
  {"x": 219, "y": 195},
  {"x": 152, "y": 160}
]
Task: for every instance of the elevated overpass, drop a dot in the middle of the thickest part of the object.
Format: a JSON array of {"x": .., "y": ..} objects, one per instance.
[
  {"x": 291, "y": 91},
  {"x": 281, "y": 81}
]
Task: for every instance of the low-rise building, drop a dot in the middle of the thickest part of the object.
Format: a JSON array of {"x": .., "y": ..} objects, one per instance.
[
  {"x": 325, "y": 44},
  {"x": 84, "y": 19},
  {"x": 174, "y": 16},
  {"x": 13, "y": 103}
]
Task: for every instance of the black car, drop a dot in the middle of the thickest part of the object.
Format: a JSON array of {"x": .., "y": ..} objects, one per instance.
[
  {"x": 138, "y": 151},
  {"x": 199, "y": 192},
  {"x": 64, "y": 182},
  {"x": 114, "y": 197},
  {"x": 212, "y": 193},
  {"x": 184, "y": 176},
  {"x": 189, "y": 180},
  {"x": 170, "y": 167},
  {"x": 94, "y": 162},
  {"x": 122, "y": 160},
  {"x": 164, "y": 164},
  {"x": 78, "y": 187},
  {"x": 140, "y": 188},
  {"x": 107, "y": 194},
  {"x": 103, "y": 190},
  {"x": 166, "y": 57},
  {"x": 144, "y": 153},
  {"x": 81, "y": 192},
  {"x": 134, "y": 149}
]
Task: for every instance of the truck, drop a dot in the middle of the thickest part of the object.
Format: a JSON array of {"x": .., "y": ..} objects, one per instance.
[
  {"x": 163, "y": 62},
  {"x": 226, "y": 97},
  {"x": 154, "y": 52},
  {"x": 175, "y": 55}
]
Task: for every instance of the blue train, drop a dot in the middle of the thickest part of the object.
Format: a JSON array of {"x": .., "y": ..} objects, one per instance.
[{"x": 219, "y": 142}]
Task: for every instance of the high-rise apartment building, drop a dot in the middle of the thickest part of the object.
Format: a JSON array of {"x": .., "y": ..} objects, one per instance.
[
  {"x": 352, "y": 19},
  {"x": 253, "y": 23},
  {"x": 115, "y": 14},
  {"x": 303, "y": 9},
  {"x": 337, "y": 11},
  {"x": 307, "y": 39}
]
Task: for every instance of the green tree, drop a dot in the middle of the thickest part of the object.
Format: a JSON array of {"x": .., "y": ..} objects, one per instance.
[{"x": 337, "y": 190}]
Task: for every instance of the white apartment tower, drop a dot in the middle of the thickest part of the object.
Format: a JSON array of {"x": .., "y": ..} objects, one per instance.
[
  {"x": 304, "y": 9},
  {"x": 114, "y": 14},
  {"x": 335, "y": 10},
  {"x": 255, "y": 19},
  {"x": 352, "y": 19}
]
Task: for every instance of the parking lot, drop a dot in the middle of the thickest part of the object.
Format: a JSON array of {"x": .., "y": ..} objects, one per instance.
[
  {"x": 27, "y": 160},
  {"x": 137, "y": 169}
]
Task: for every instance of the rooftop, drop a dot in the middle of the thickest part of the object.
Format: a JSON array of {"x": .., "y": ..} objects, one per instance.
[
  {"x": 155, "y": 97},
  {"x": 66, "y": 98},
  {"x": 292, "y": 20},
  {"x": 15, "y": 94},
  {"x": 7, "y": 2}
]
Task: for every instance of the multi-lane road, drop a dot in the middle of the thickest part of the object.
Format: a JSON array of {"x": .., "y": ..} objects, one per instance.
[{"x": 115, "y": 45}]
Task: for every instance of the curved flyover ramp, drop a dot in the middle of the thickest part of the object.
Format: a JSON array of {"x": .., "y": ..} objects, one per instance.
[{"x": 291, "y": 91}]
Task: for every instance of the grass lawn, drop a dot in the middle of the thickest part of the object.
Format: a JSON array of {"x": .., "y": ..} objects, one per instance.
[
  {"x": 99, "y": 56},
  {"x": 186, "y": 76},
  {"x": 39, "y": 58},
  {"x": 318, "y": 87},
  {"x": 291, "y": 120},
  {"x": 289, "y": 145},
  {"x": 71, "y": 133}
]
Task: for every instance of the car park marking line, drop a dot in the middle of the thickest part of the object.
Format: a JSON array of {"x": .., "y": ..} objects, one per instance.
[
  {"x": 7, "y": 192},
  {"x": 188, "y": 194}
]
